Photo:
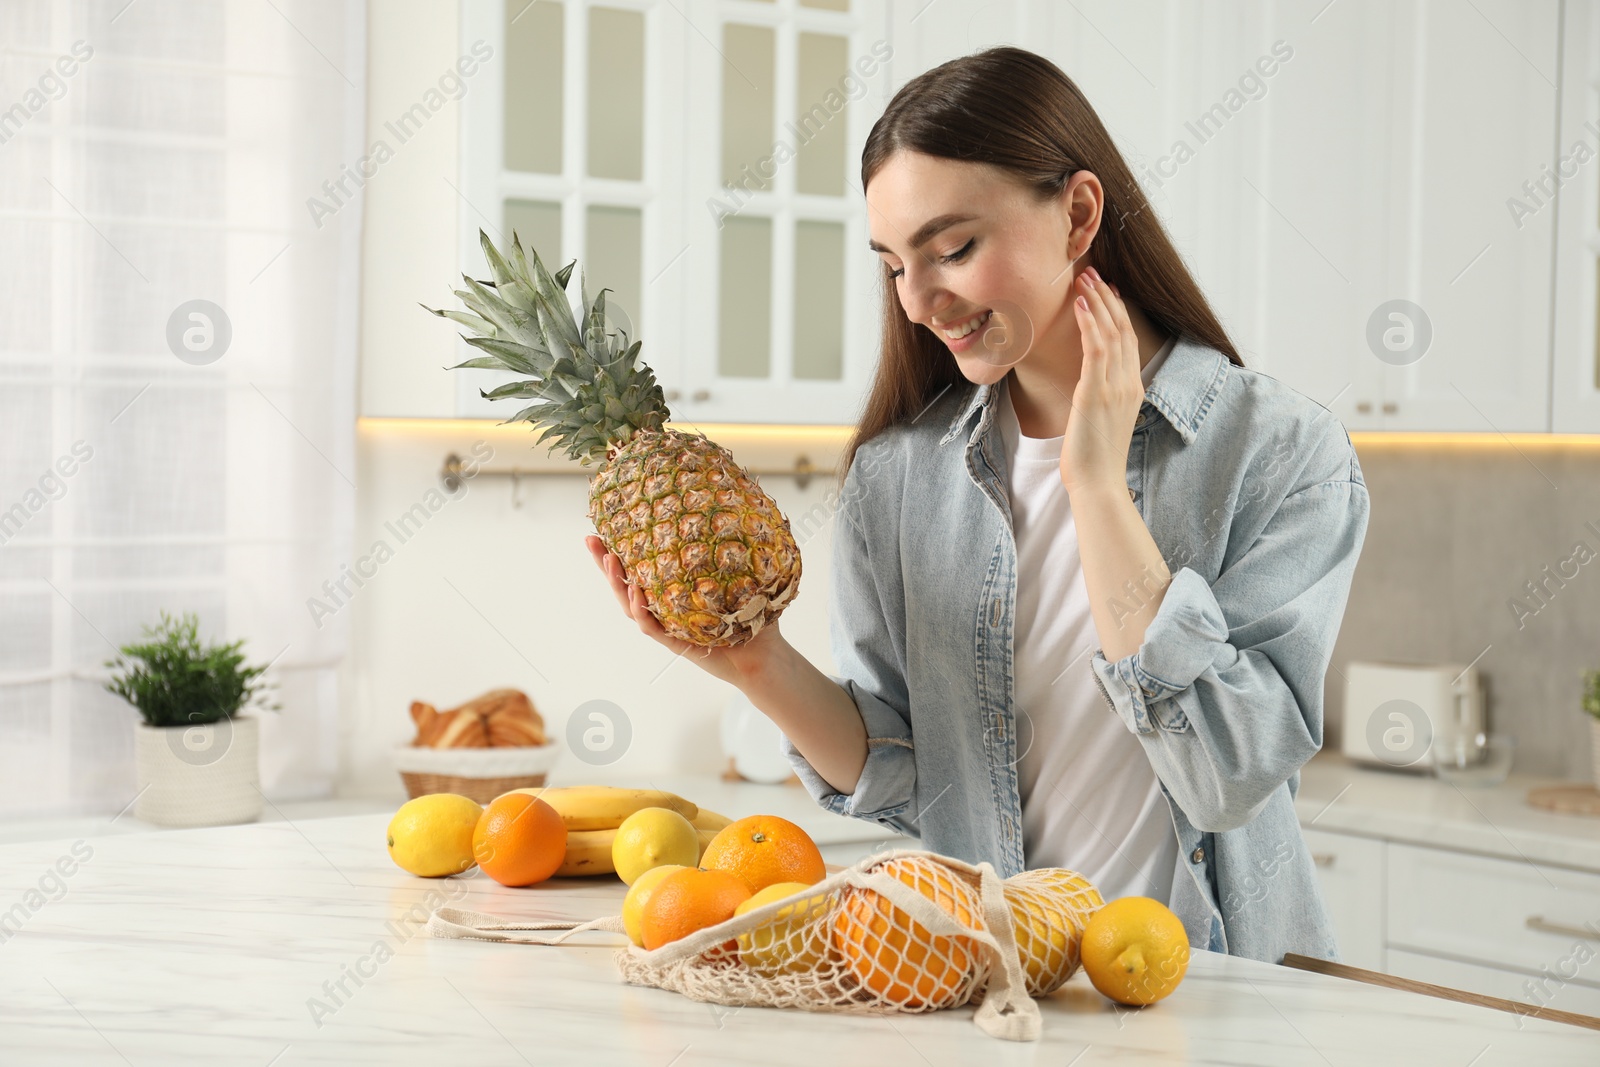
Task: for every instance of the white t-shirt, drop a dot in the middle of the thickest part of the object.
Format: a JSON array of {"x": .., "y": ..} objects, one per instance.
[{"x": 1090, "y": 800}]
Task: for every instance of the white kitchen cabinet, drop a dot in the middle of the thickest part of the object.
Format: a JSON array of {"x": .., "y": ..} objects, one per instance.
[
  {"x": 572, "y": 137},
  {"x": 1380, "y": 171},
  {"x": 1472, "y": 888},
  {"x": 1379, "y": 162},
  {"x": 1323, "y": 221},
  {"x": 1472, "y": 113},
  {"x": 1352, "y": 175},
  {"x": 1575, "y": 205},
  {"x": 1506, "y": 914},
  {"x": 1350, "y": 873},
  {"x": 610, "y": 133},
  {"x": 780, "y": 288},
  {"x": 1494, "y": 982}
]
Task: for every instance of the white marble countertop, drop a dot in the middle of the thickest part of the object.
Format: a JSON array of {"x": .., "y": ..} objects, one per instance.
[
  {"x": 1341, "y": 795},
  {"x": 229, "y": 945}
]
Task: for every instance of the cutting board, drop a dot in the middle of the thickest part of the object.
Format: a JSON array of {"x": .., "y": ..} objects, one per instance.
[{"x": 1566, "y": 799}]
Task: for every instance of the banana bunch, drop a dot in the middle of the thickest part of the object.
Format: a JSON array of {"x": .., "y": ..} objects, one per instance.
[{"x": 592, "y": 814}]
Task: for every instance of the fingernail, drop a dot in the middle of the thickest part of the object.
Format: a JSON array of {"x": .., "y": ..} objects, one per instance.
[{"x": 1082, "y": 303}]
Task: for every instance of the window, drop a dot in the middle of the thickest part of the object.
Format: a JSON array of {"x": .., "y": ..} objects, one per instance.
[{"x": 149, "y": 465}]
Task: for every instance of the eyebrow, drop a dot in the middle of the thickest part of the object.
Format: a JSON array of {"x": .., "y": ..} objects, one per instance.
[{"x": 930, "y": 229}]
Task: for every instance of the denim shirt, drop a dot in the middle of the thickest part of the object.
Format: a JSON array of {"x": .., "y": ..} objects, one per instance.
[{"x": 1254, "y": 496}]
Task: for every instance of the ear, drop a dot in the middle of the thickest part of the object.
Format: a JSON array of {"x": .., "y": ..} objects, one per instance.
[{"x": 1083, "y": 205}]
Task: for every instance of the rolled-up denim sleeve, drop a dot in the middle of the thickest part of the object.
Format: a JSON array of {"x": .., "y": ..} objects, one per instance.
[
  {"x": 1226, "y": 690},
  {"x": 867, "y": 626}
]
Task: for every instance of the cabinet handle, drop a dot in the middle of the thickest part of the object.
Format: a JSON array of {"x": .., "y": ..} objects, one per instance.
[
  {"x": 1544, "y": 926},
  {"x": 673, "y": 394},
  {"x": 1322, "y": 859},
  {"x": 1364, "y": 407},
  {"x": 1390, "y": 407},
  {"x": 700, "y": 394}
]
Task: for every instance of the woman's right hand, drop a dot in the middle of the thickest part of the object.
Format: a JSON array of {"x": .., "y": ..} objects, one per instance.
[{"x": 735, "y": 665}]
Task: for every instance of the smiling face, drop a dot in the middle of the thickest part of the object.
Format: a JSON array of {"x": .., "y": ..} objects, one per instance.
[{"x": 970, "y": 243}]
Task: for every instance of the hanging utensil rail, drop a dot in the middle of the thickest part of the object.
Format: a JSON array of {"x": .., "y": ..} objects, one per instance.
[{"x": 451, "y": 476}]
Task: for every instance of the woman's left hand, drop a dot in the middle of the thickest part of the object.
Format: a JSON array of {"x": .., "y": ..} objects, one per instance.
[{"x": 1106, "y": 402}]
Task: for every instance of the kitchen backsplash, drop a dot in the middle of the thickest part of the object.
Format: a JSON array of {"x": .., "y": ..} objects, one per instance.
[
  {"x": 479, "y": 592},
  {"x": 1486, "y": 551}
]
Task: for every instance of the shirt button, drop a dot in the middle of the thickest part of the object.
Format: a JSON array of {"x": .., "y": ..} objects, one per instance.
[
  {"x": 1130, "y": 493},
  {"x": 1198, "y": 855}
]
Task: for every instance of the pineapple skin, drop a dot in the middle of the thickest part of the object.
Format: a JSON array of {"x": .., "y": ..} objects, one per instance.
[{"x": 708, "y": 547}]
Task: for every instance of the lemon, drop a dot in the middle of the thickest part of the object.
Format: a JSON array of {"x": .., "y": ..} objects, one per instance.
[
  {"x": 1049, "y": 907},
  {"x": 1135, "y": 950},
  {"x": 652, "y": 837},
  {"x": 638, "y": 894},
  {"x": 782, "y": 946},
  {"x": 431, "y": 836}
]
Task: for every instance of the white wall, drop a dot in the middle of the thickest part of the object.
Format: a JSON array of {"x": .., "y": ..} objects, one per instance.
[{"x": 486, "y": 594}]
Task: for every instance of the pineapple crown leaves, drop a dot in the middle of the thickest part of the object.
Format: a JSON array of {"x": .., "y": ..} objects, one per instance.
[{"x": 591, "y": 389}]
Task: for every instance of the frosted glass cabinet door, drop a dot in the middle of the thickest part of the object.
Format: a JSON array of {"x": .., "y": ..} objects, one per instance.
[
  {"x": 575, "y": 142},
  {"x": 749, "y": 62},
  {"x": 781, "y": 288},
  {"x": 616, "y": 94},
  {"x": 534, "y": 71}
]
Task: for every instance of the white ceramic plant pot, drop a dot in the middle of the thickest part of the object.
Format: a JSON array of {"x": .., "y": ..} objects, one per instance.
[{"x": 199, "y": 775}]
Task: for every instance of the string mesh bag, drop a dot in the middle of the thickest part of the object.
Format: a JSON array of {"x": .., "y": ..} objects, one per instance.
[
  {"x": 1050, "y": 906},
  {"x": 902, "y": 931}
]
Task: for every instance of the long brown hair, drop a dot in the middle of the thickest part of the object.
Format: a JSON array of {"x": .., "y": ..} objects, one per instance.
[{"x": 1018, "y": 111}]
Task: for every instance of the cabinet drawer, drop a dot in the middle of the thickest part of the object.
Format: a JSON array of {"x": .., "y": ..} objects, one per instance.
[
  {"x": 1350, "y": 873},
  {"x": 1475, "y": 978},
  {"x": 1501, "y": 913}
]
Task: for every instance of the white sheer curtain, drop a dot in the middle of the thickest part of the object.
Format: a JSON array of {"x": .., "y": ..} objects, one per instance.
[{"x": 170, "y": 158}]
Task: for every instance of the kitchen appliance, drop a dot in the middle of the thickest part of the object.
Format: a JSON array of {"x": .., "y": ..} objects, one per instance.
[{"x": 1395, "y": 712}]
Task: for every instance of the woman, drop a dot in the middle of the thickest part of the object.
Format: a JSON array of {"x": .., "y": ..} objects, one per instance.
[{"x": 1088, "y": 569}]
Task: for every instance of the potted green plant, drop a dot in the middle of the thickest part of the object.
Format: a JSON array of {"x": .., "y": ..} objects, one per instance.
[
  {"x": 197, "y": 755},
  {"x": 1591, "y": 704}
]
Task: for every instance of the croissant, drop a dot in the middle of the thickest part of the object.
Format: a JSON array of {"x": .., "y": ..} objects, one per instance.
[
  {"x": 429, "y": 726},
  {"x": 499, "y": 718},
  {"x": 505, "y": 731}
]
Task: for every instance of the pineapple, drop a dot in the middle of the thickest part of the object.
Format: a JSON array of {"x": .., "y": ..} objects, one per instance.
[{"x": 710, "y": 550}]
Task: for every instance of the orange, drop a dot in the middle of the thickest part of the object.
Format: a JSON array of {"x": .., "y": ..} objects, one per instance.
[
  {"x": 688, "y": 900},
  {"x": 1135, "y": 950},
  {"x": 519, "y": 840},
  {"x": 765, "y": 850},
  {"x": 638, "y": 895},
  {"x": 898, "y": 958},
  {"x": 1049, "y": 908}
]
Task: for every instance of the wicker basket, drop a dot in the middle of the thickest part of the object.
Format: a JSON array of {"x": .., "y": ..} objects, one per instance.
[{"x": 479, "y": 773}]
